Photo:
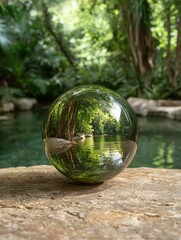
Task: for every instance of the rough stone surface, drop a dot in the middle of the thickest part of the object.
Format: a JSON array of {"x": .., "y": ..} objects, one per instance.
[
  {"x": 39, "y": 203},
  {"x": 2, "y": 118},
  {"x": 25, "y": 103},
  {"x": 7, "y": 107},
  {"x": 169, "y": 112},
  {"x": 169, "y": 103},
  {"x": 161, "y": 108}
]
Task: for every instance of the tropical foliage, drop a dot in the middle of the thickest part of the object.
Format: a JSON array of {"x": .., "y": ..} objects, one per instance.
[{"x": 133, "y": 47}]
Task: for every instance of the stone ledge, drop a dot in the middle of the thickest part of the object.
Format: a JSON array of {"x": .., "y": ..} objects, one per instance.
[
  {"x": 23, "y": 104},
  {"x": 160, "y": 108},
  {"x": 39, "y": 203}
]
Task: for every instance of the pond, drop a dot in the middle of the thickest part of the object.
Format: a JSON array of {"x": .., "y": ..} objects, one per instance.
[{"x": 21, "y": 145}]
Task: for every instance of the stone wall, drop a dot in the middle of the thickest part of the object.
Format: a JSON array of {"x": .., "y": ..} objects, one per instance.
[
  {"x": 22, "y": 104},
  {"x": 160, "y": 108},
  {"x": 39, "y": 203}
]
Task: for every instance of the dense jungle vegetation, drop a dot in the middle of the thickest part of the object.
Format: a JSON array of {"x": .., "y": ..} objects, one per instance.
[{"x": 130, "y": 46}]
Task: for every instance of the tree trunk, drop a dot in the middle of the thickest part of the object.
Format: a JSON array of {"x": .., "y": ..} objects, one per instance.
[
  {"x": 130, "y": 34},
  {"x": 57, "y": 36},
  {"x": 177, "y": 54},
  {"x": 168, "y": 59},
  {"x": 138, "y": 47},
  {"x": 66, "y": 128},
  {"x": 141, "y": 43}
]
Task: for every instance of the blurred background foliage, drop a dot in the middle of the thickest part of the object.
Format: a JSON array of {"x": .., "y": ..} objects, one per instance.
[{"x": 130, "y": 46}]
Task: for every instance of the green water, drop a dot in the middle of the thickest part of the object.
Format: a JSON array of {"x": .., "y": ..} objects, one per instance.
[{"x": 21, "y": 144}]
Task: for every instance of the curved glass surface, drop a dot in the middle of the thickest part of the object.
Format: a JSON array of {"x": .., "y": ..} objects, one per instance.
[{"x": 74, "y": 121}]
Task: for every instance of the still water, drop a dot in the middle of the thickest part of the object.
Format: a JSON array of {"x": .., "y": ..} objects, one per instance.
[{"x": 21, "y": 145}]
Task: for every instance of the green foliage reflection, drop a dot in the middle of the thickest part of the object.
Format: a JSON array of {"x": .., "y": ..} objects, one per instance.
[
  {"x": 71, "y": 128},
  {"x": 165, "y": 156}
]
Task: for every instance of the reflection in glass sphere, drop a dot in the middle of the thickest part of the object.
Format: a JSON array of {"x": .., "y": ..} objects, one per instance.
[{"x": 90, "y": 134}]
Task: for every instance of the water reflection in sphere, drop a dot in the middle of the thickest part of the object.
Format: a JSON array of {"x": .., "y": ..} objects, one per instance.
[{"x": 90, "y": 134}]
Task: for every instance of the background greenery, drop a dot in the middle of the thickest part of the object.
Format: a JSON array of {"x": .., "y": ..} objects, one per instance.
[{"x": 130, "y": 46}]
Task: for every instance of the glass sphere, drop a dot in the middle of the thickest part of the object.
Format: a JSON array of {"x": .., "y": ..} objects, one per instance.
[{"x": 90, "y": 134}]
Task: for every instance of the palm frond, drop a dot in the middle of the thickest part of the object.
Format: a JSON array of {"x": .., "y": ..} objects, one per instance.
[{"x": 4, "y": 38}]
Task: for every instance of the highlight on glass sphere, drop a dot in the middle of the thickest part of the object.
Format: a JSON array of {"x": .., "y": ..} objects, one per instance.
[{"x": 90, "y": 134}]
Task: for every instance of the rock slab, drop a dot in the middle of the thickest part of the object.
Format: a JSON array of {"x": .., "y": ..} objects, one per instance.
[
  {"x": 159, "y": 108},
  {"x": 25, "y": 104},
  {"x": 39, "y": 203}
]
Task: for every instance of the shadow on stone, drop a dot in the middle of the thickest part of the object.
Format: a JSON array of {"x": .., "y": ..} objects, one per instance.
[{"x": 43, "y": 184}]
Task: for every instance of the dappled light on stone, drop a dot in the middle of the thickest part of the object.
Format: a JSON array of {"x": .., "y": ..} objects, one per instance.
[{"x": 90, "y": 134}]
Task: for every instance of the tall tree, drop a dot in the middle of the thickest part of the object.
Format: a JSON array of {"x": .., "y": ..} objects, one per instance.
[
  {"x": 137, "y": 15},
  {"x": 177, "y": 50},
  {"x": 57, "y": 36}
]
